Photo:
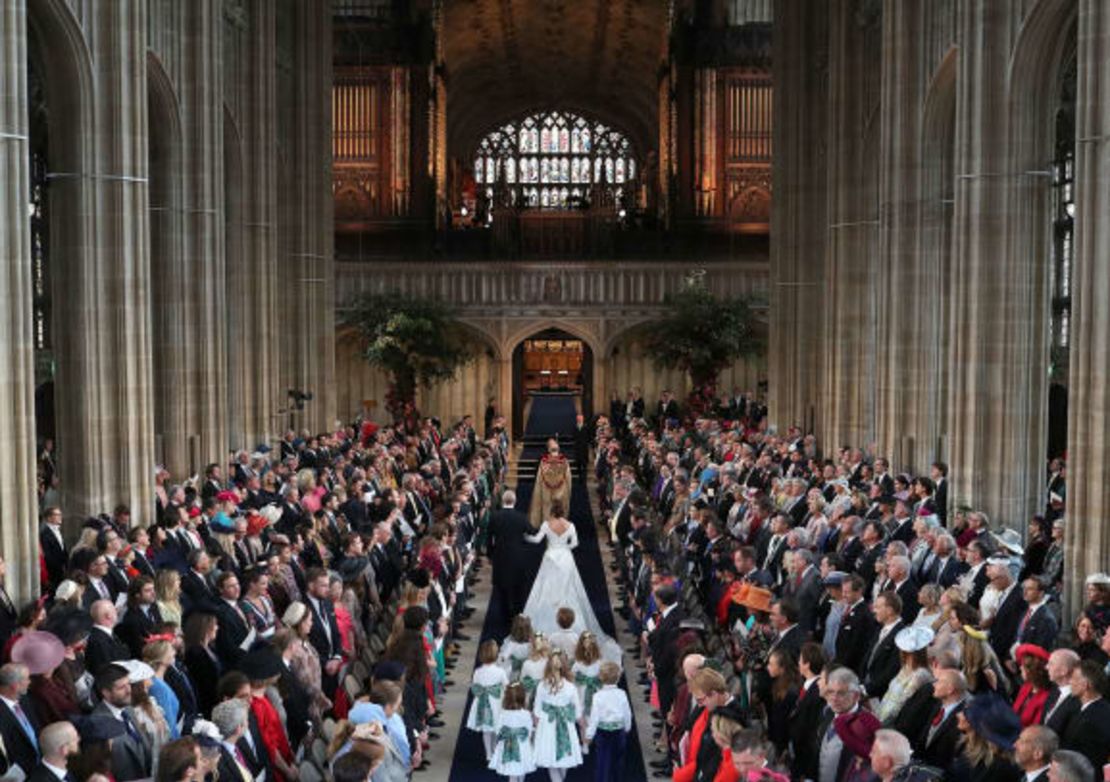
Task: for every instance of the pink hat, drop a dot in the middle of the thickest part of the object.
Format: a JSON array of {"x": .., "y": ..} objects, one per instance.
[{"x": 40, "y": 651}]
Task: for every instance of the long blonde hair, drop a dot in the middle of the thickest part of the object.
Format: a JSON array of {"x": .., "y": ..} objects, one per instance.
[{"x": 557, "y": 671}]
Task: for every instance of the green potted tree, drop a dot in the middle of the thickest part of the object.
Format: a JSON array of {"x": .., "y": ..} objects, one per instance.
[
  {"x": 701, "y": 334},
  {"x": 416, "y": 341}
]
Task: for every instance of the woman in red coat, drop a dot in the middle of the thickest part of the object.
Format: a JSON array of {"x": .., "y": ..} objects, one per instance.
[
  {"x": 710, "y": 692},
  {"x": 1030, "y": 700}
]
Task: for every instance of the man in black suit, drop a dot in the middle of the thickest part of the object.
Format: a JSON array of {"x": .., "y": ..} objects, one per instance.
[
  {"x": 898, "y": 570},
  {"x": 1033, "y": 752},
  {"x": 139, "y": 539},
  {"x": 807, "y": 711},
  {"x": 325, "y": 630},
  {"x": 662, "y": 642},
  {"x": 52, "y": 544},
  {"x": 872, "y": 540},
  {"x": 937, "y": 744},
  {"x": 784, "y": 618},
  {"x": 842, "y": 694},
  {"x": 236, "y": 635},
  {"x": 195, "y": 590},
  {"x": 1088, "y": 731},
  {"x": 132, "y": 757},
  {"x": 509, "y": 557},
  {"x": 1061, "y": 704},
  {"x": 386, "y": 559},
  {"x": 18, "y": 724},
  {"x": 142, "y": 615},
  {"x": 857, "y": 626},
  {"x": 776, "y": 547},
  {"x": 884, "y": 660},
  {"x": 1006, "y": 620},
  {"x": 58, "y": 741},
  {"x": 104, "y": 646},
  {"x": 1038, "y": 625}
]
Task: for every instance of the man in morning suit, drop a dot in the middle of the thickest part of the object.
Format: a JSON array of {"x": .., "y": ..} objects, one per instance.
[
  {"x": 883, "y": 659},
  {"x": 1033, "y": 752},
  {"x": 1061, "y": 704},
  {"x": 857, "y": 626},
  {"x": 325, "y": 630},
  {"x": 18, "y": 725},
  {"x": 1088, "y": 731},
  {"x": 53, "y": 547},
  {"x": 937, "y": 744},
  {"x": 661, "y": 640}
]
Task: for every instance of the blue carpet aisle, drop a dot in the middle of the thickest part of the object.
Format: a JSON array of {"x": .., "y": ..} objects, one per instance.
[{"x": 550, "y": 415}]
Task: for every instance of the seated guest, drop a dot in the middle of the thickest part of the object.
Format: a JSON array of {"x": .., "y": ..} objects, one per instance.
[
  {"x": 1088, "y": 642},
  {"x": 1033, "y": 752},
  {"x": 1060, "y": 704},
  {"x": 178, "y": 761},
  {"x": 1068, "y": 766},
  {"x": 938, "y": 743}
]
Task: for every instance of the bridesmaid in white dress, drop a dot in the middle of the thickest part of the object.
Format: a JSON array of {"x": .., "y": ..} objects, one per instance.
[
  {"x": 557, "y": 710},
  {"x": 512, "y": 754}
]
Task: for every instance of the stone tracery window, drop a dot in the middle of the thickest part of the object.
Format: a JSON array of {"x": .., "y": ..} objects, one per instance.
[{"x": 554, "y": 160}]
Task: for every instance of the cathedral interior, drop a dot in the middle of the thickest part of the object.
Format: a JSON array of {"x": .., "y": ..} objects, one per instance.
[{"x": 194, "y": 191}]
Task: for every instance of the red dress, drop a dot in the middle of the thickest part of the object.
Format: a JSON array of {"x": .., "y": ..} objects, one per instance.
[
  {"x": 1029, "y": 705},
  {"x": 273, "y": 734}
]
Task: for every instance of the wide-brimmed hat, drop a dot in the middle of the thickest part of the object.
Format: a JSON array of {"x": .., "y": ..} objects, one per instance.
[
  {"x": 261, "y": 664},
  {"x": 857, "y": 731},
  {"x": 739, "y": 591},
  {"x": 1030, "y": 650},
  {"x": 914, "y": 638},
  {"x": 39, "y": 650},
  {"x": 137, "y": 670},
  {"x": 994, "y": 719},
  {"x": 757, "y": 599},
  {"x": 1010, "y": 539},
  {"x": 1098, "y": 579},
  {"x": 98, "y": 727},
  {"x": 71, "y": 625}
]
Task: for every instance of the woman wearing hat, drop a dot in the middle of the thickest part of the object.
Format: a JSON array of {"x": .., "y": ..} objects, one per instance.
[
  {"x": 913, "y": 645},
  {"x": 1031, "y": 698},
  {"x": 303, "y": 658},
  {"x": 752, "y": 645},
  {"x": 856, "y": 730},
  {"x": 980, "y": 664},
  {"x": 43, "y": 654},
  {"x": 1098, "y": 601},
  {"x": 990, "y": 728},
  {"x": 1087, "y": 642}
]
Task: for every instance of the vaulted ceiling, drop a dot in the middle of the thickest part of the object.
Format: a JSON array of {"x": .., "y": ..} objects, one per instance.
[{"x": 600, "y": 58}]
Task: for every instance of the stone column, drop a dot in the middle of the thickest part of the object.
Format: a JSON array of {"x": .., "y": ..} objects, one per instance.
[
  {"x": 855, "y": 48},
  {"x": 204, "y": 140},
  {"x": 19, "y": 533},
  {"x": 1088, "y": 537},
  {"x": 799, "y": 230},
  {"x": 310, "y": 271},
  {"x": 910, "y": 277},
  {"x": 999, "y": 349},
  {"x": 105, "y": 378},
  {"x": 255, "y": 360}
]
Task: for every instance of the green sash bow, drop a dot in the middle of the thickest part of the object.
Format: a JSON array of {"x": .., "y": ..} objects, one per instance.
[
  {"x": 485, "y": 708},
  {"x": 516, "y": 663},
  {"x": 610, "y": 726},
  {"x": 592, "y": 685},
  {"x": 563, "y": 717},
  {"x": 512, "y": 737},
  {"x": 529, "y": 684}
]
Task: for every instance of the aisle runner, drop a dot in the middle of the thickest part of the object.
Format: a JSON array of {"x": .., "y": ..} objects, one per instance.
[
  {"x": 551, "y": 415},
  {"x": 469, "y": 765}
]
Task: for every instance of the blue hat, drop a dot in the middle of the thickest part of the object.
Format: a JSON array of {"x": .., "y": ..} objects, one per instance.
[
  {"x": 98, "y": 727},
  {"x": 994, "y": 719},
  {"x": 834, "y": 578},
  {"x": 389, "y": 670},
  {"x": 262, "y": 448}
]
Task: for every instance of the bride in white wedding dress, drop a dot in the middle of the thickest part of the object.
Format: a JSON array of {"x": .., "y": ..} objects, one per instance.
[{"x": 559, "y": 585}]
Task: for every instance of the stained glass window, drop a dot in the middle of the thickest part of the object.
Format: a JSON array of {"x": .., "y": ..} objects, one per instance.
[{"x": 555, "y": 148}]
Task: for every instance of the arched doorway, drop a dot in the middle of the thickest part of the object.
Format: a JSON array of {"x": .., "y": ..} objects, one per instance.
[{"x": 551, "y": 364}]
